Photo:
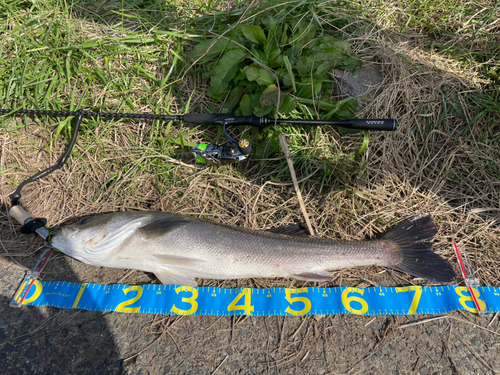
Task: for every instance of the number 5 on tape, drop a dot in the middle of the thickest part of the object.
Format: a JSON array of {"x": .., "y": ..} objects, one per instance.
[{"x": 304, "y": 300}]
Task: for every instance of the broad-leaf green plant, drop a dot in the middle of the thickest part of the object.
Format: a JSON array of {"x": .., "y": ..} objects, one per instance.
[{"x": 258, "y": 68}]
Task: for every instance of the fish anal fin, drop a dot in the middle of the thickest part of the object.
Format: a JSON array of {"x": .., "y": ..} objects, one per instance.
[
  {"x": 173, "y": 260},
  {"x": 160, "y": 227},
  {"x": 295, "y": 229},
  {"x": 313, "y": 276},
  {"x": 169, "y": 277}
]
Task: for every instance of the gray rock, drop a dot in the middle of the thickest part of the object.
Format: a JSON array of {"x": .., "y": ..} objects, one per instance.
[
  {"x": 365, "y": 84},
  {"x": 31, "y": 352}
]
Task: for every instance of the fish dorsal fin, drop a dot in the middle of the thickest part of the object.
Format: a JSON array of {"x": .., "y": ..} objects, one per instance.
[
  {"x": 294, "y": 229},
  {"x": 167, "y": 276},
  {"x": 173, "y": 260},
  {"x": 314, "y": 276},
  {"x": 160, "y": 227}
]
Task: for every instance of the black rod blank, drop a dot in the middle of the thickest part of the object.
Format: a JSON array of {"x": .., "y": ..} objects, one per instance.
[{"x": 217, "y": 119}]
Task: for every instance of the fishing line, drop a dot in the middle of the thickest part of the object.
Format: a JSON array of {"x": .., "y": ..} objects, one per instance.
[{"x": 16, "y": 196}]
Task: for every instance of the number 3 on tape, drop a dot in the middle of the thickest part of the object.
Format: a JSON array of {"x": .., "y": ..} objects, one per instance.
[{"x": 191, "y": 300}]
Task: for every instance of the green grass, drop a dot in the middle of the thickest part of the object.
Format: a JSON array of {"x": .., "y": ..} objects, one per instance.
[{"x": 131, "y": 56}]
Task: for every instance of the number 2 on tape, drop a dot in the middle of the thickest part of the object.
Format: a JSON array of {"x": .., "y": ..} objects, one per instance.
[{"x": 121, "y": 307}]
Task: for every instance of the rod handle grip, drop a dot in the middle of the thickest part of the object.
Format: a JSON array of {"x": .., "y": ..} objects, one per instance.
[
  {"x": 18, "y": 213},
  {"x": 373, "y": 124}
]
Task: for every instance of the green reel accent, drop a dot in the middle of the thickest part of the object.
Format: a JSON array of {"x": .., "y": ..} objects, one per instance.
[{"x": 202, "y": 147}]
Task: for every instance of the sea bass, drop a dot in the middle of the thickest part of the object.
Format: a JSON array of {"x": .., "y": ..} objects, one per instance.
[{"x": 178, "y": 249}]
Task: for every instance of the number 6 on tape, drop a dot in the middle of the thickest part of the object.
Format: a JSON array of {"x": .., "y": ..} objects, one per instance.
[{"x": 346, "y": 301}]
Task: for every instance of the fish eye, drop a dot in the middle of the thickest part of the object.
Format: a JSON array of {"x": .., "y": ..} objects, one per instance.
[{"x": 85, "y": 220}]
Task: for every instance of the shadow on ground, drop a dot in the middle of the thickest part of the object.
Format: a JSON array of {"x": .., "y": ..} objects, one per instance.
[{"x": 46, "y": 340}]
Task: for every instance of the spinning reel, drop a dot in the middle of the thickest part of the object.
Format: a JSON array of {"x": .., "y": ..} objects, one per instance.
[{"x": 234, "y": 152}]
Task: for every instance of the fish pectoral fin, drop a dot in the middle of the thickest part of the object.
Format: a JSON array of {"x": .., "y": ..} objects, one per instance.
[
  {"x": 160, "y": 227},
  {"x": 294, "y": 229},
  {"x": 173, "y": 260},
  {"x": 314, "y": 276},
  {"x": 167, "y": 276}
]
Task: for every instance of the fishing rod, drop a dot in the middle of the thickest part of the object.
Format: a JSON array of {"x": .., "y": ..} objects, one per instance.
[
  {"x": 203, "y": 153},
  {"x": 207, "y": 153}
]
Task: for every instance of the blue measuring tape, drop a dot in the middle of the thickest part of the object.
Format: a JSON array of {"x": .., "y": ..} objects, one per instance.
[{"x": 187, "y": 300}]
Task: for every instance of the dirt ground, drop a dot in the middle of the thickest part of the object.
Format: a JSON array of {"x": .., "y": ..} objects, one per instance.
[{"x": 49, "y": 340}]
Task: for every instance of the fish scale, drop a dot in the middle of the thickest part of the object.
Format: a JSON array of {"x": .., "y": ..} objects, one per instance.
[{"x": 178, "y": 249}]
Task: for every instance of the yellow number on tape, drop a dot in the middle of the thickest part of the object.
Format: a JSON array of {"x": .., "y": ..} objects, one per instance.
[
  {"x": 346, "y": 301},
  {"x": 246, "y": 307},
  {"x": 304, "y": 300},
  {"x": 121, "y": 307},
  {"x": 463, "y": 299},
  {"x": 39, "y": 287},
  {"x": 191, "y": 300},
  {"x": 416, "y": 297}
]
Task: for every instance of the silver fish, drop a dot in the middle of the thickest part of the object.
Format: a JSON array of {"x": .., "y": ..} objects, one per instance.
[{"x": 178, "y": 249}]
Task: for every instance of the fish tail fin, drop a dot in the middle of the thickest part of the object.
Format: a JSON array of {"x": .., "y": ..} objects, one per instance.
[{"x": 415, "y": 256}]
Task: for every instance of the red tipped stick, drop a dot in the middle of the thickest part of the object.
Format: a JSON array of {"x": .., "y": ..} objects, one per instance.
[
  {"x": 464, "y": 274},
  {"x": 33, "y": 280}
]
